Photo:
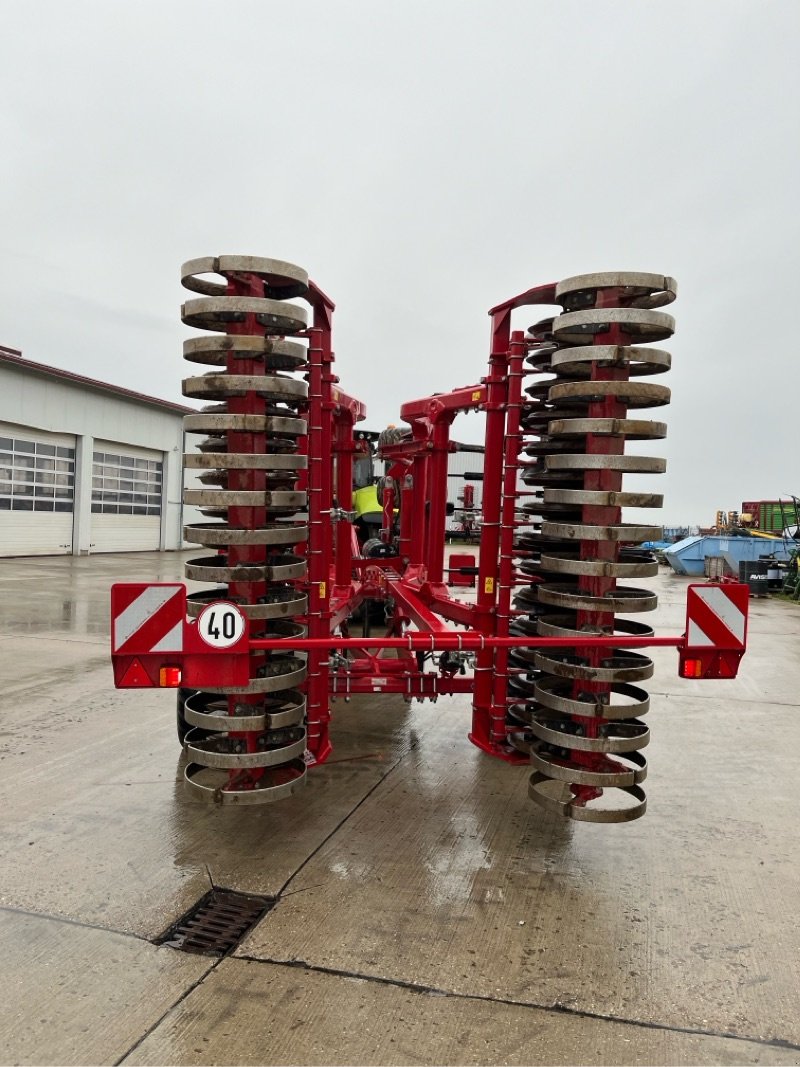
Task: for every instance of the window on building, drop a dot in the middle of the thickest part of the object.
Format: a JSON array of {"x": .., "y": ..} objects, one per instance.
[
  {"x": 122, "y": 485},
  {"x": 35, "y": 476}
]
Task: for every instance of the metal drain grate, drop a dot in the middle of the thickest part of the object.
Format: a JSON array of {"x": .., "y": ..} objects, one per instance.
[{"x": 216, "y": 923}]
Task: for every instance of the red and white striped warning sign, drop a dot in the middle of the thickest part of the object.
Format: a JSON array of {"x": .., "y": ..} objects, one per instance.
[
  {"x": 147, "y": 618},
  {"x": 716, "y": 616}
]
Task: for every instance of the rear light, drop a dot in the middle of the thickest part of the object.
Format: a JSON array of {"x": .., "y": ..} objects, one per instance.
[
  {"x": 169, "y": 677},
  {"x": 691, "y": 668}
]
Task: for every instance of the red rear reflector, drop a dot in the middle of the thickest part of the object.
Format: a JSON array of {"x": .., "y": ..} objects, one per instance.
[
  {"x": 135, "y": 677},
  {"x": 169, "y": 677}
]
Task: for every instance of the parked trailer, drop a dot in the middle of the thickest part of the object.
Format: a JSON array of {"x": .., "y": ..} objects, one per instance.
[{"x": 771, "y": 516}]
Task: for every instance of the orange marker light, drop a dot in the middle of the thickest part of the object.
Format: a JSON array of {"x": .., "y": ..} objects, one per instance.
[
  {"x": 692, "y": 668},
  {"x": 169, "y": 677}
]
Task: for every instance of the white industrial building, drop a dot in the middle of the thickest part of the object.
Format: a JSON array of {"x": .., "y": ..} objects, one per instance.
[{"x": 85, "y": 466}]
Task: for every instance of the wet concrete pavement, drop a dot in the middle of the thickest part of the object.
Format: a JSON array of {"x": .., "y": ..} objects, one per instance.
[{"x": 427, "y": 911}]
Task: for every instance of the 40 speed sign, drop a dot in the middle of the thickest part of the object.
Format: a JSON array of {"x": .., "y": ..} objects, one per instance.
[{"x": 221, "y": 624}]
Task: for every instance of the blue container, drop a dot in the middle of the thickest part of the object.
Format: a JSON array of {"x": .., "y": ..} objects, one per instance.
[{"x": 688, "y": 556}]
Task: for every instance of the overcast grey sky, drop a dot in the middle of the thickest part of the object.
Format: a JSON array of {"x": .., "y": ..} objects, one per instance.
[{"x": 423, "y": 160}]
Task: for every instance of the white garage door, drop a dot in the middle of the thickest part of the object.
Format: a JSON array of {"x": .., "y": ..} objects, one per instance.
[
  {"x": 126, "y": 498},
  {"x": 37, "y": 492}
]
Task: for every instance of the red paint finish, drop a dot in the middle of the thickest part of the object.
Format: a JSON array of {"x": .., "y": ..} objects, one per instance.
[
  {"x": 458, "y": 561},
  {"x": 430, "y": 632}
]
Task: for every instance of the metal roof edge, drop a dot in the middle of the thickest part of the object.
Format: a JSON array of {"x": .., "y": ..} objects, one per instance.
[{"x": 13, "y": 357}]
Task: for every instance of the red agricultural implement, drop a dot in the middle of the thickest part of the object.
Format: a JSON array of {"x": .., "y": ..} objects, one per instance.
[{"x": 552, "y": 670}]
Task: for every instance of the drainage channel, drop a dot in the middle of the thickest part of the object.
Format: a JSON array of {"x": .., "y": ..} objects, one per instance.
[{"x": 216, "y": 923}]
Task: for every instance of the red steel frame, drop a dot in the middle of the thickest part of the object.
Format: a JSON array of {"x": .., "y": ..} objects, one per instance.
[
  {"x": 339, "y": 577},
  {"x": 414, "y": 579}
]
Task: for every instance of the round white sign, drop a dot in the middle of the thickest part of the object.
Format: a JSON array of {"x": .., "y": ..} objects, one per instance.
[{"x": 220, "y": 625}]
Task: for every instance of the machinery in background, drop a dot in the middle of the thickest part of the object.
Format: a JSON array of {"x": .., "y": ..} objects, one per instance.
[
  {"x": 781, "y": 517},
  {"x": 758, "y": 544},
  {"x": 547, "y": 652},
  {"x": 791, "y": 576},
  {"x": 466, "y": 521},
  {"x": 760, "y": 518}
]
